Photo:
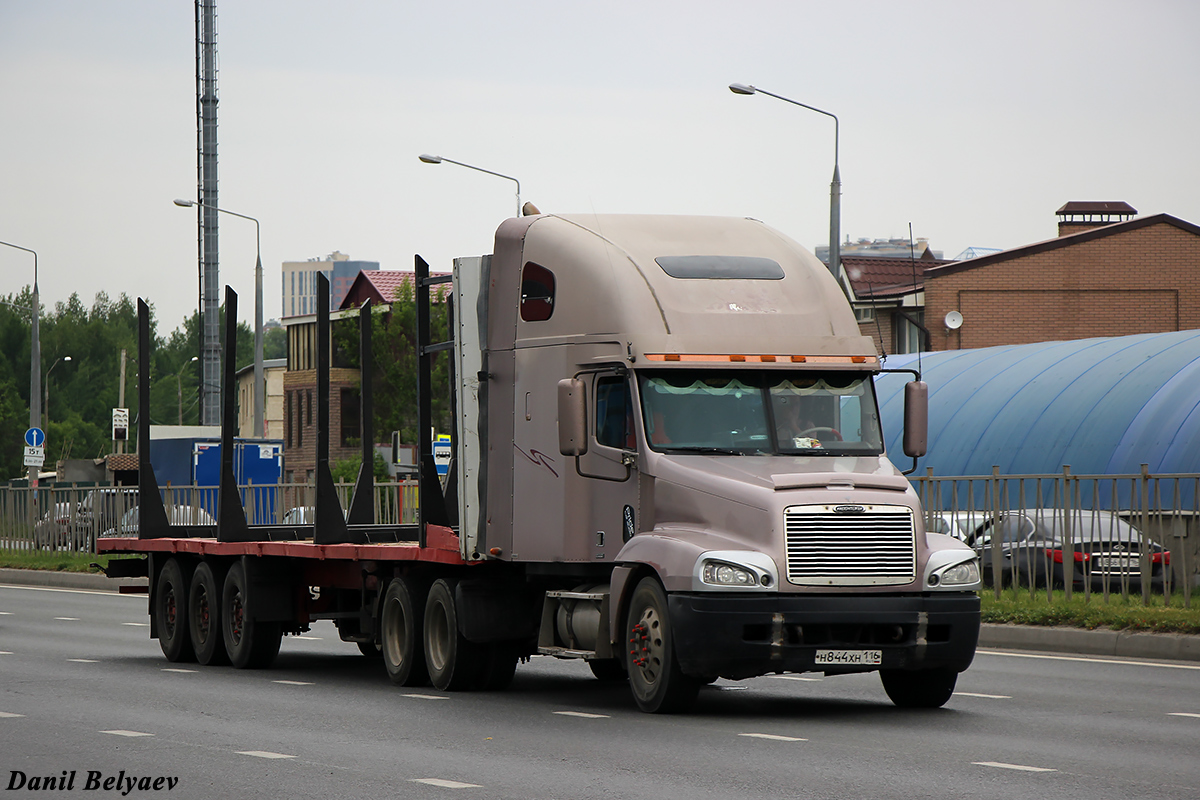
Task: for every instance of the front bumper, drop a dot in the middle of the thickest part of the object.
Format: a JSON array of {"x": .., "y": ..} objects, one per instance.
[{"x": 741, "y": 636}]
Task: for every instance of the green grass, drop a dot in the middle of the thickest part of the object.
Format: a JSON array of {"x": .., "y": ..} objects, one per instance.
[
  {"x": 57, "y": 561},
  {"x": 1020, "y": 607}
]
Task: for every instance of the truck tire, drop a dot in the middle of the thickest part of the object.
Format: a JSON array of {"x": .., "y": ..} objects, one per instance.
[
  {"x": 454, "y": 663},
  {"x": 204, "y": 616},
  {"x": 658, "y": 685},
  {"x": 926, "y": 688},
  {"x": 170, "y": 613},
  {"x": 501, "y": 666},
  {"x": 250, "y": 643},
  {"x": 401, "y": 622}
]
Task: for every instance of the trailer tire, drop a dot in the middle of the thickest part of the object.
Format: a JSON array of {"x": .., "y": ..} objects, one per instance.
[
  {"x": 658, "y": 685},
  {"x": 401, "y": 622},
  {"x": 925, "y": 688},
  {"x": 250, "y": 643},
  {"x": 170, "y": 613},
  {"x": 204, "y": 616},
  {"x": 454, "y": 663}
]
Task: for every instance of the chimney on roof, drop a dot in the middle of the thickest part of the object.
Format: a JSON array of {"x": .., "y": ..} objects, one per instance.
[{"x": 1078, "y": 216}]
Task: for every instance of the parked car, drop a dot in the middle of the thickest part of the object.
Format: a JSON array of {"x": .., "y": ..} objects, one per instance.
[
  {"x": 101, "y": 509},
  {"x": 53, "y": 530},
  {"x": 959, "y": 524},
  {"x": 176, "y": 515},
  {"x": 1105, "y": 549},
  {"x": 304, "y": 515}
]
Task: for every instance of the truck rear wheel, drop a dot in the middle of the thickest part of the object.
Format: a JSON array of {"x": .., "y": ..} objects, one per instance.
[
  {"x": 204, "y": 616},
  {"x": 925, "y": 688},
  {"x": 170, "y": 613},
  {"x": 250, "y": 643},
  {"x": 454, "y": 663},
  {"x": 400, "y": 634},
  {"x": 658, "y": 685}
]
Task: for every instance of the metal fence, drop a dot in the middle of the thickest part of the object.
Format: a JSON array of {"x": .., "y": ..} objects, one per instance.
[
  {"x": 1099, "y": 535},
  {"x": 71, "y": 518}
]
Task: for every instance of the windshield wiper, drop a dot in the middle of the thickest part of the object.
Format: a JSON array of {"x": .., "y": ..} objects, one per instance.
[{"x": 718, "y": 450}]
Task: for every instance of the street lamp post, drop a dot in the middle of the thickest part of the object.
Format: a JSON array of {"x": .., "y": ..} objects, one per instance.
[
  {"x": 428, "y": 159},
  {"x": 179, "y": 382},
  {"x": 46, "y": 402},
  {"x": 35, "y": 365},
  {"x": 259, "y": 386},
  {"x": 835, "y": 187}
]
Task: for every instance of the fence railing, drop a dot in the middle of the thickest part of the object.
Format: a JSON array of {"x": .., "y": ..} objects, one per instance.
[
  {"x": 1132, "y": 534},
  {"x": 71, "y": 518}
]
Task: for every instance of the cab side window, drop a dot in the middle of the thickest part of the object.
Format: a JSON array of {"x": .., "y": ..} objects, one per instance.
[
  {"x": 614, "y": 413},
  {"x": 537, "y": 293}
]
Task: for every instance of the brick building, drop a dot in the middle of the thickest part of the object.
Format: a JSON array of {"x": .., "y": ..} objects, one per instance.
[
  {"x": 1098, "y": 278},
  {"x": 889, "y": 299}
]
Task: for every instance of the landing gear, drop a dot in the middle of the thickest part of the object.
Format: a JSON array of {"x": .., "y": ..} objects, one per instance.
[
  {"x": 250, "y": 643},
  {"x": 170, "y": 613},
  {"x": 400, "y": 629},
  {"x": 927, "y": 688},
  {"x": 658, "y": 685}
]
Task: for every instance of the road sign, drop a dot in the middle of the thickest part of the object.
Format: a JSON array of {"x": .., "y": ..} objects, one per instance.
[
  {"x": 35, "y": 456},
  {"x": 35, "y": 437},
  {"x": 120, "y": 424}
]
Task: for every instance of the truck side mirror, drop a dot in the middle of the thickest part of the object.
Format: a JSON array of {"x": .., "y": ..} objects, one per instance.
[
  {"x": 916, "y": 418},
  {"x": 572, "y": 417}
]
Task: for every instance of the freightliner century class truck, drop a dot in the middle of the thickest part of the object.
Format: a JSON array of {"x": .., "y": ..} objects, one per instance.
[{"x": 667, "y": 462}]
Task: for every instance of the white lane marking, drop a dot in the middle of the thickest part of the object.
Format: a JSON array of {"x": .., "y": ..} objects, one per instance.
[
  {"x": 177, "y": 669},
  {"x": 773, "y": 737},
  {"x": 1019, "y": 767},
  {"x": 130, "y": 734},
  {"x": 9, "y": 715},
  {"x": 444, "y": 784},
  {"x": 732, "y": 688},
  {"x": 985, "y": 696},
  {"x": 308, "y": 638},
  {"x": 137, "y": 624},
  {"x": 582, "y": 714},
  {"x": 262, "y": 754},
  {"x": 5, "y": 613},
  {"x": 295, "y": 683},
  {"x": 795, "y": 678},
  {"x": 67, "y": 619},
  {"x": 1182, "y": 714},
  {"x": 84, "y": 660},
  {"x": 426, "y": 696},
  {"x": 5, "y": 652},
  {"x": 113, "y": 593},
  {"x": 1090, "y": 660}
]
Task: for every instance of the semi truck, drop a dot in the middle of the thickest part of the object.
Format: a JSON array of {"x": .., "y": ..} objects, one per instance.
[{"x": 666, "y": 461}]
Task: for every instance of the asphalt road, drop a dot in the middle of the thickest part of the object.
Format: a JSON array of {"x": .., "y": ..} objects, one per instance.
[{"x": 85, "y": 695}]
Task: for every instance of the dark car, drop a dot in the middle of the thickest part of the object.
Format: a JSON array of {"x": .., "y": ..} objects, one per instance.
[{"x": 1036, "y": 545}]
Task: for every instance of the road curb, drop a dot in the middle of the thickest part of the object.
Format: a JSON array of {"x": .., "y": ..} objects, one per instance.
[{"x": 1123, "y": 644}]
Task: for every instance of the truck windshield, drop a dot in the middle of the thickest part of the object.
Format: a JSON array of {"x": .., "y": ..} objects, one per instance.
[{"x": 760, "y": 412}]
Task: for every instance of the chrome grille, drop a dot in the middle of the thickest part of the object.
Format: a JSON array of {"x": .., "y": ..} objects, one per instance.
[{"x": 874, "y": 547}]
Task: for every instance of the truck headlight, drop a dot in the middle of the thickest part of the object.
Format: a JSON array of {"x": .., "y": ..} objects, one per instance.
[
  {"x": 734, "y": 570},
  {"x": 962, "y": 574}
]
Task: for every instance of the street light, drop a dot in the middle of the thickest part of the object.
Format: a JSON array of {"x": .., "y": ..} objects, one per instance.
[
  {"x": 46, "y": 404},
  {"x": 428, "y": 159},
  {"x": 35, "y": 364},
  {"x": 179, "y": 381},
  {"x": 259, "y": 386},
  {"x": 835, "y": 187}
]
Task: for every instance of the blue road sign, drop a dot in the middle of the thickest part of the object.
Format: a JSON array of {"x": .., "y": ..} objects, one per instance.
[{"x": 35, "y": 437}]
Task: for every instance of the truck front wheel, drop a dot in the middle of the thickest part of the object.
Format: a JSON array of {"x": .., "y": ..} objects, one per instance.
[
  {"x": 400, "y": 627},
  {"x": 251, "y": 644},
  {"x": 925, "y": 688},
  {"x": 658, "y": 685},
  {"x": 170, "y": 613}
]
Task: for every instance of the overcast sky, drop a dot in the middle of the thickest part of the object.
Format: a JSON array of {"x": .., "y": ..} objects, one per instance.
[{"x": 972, "y": 121}]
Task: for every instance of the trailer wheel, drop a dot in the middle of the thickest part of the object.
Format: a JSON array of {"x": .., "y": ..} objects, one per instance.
[
  {"x": 204, "y": 616},
  {"x": 400, "y": 624},
  {"x": 926, "y": 688},
  {"x": 170, "y": 613},
  {"x": 658, "y": 685},
  {"x": 454, "y": 663},
  {"x": 250, "y": 643}
]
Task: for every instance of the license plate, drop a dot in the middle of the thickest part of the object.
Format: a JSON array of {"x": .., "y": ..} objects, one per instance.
[
  {"x": 849, "y": 657},
  {"x": 1118, "y": 563}
]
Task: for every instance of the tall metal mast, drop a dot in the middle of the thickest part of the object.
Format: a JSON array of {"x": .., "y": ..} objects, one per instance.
[{"x": 206, "y": 167}]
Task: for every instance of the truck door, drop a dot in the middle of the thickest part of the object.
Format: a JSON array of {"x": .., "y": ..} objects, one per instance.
[{"x": 610, "y": 467}]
